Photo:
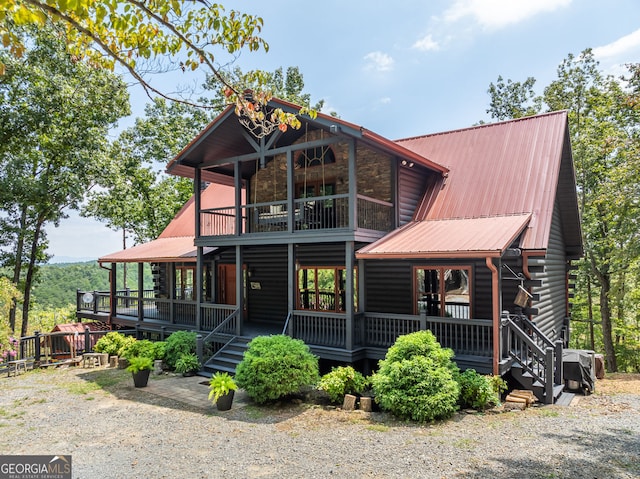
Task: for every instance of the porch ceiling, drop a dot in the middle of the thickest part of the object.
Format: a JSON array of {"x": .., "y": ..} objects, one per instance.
[{"x": 452, "y": 238}]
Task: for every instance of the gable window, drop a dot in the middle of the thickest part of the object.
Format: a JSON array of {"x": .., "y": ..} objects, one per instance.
[
  {"x": 323, "y": 289},
  {"x": 443, "y": 291},
  {"x": 320, "y": 155}
]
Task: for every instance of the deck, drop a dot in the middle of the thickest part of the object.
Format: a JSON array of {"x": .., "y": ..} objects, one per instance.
[{"x": 330, "y": 335}]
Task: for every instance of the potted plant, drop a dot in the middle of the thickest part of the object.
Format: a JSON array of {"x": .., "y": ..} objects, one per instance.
[
  {"x": 188, "y": 364},
  {"x": 221, "y": 390},
  {"x": 140, "y": 368}
]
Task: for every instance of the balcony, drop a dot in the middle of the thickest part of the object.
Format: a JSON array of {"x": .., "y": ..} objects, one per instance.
[{"x": 307, "y": 214}]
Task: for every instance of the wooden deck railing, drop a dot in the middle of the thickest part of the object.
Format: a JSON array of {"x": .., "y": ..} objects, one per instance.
[
  {"x": 50, "y": 347},
  {"x": 473, "y": 337},
  {"x": 308, "y": 214}
]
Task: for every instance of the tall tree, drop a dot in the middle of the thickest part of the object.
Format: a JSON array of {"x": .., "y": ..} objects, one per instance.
[
  {"x": 603, "y": 117},
  {"x": 151, "y": 36},
  {"x": 55, "y": 113}
]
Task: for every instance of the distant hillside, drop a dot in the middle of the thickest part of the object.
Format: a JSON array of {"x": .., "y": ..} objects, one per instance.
[{"x": 59, "y": 282}]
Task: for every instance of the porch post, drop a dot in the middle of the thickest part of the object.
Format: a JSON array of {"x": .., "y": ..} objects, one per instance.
[
  {"x": 140, "y": 292},
  {"x": 197, "y": 191},
  {"x": 237, "y": 183},
  {"x": 291, "y": 284},
  {"x": 113, "y": 306},
  {"x": 348, "y": 293},
  {"x": 239, "y": 290},
  {"x": 171, "y": 279},
  {"x": 290, "y": 194},
  {"x": 353, "y": 188},
  {"x": 495, "y": 310}
]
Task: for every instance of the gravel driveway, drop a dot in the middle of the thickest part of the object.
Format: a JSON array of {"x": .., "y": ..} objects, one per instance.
[{"x": 112, "y": 430}]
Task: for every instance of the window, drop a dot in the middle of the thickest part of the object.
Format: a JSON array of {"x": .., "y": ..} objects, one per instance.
[
  {"x": 323, "y": 289},
  {"x": 320, "y": 155},
  {"x": 443, "y": 291},
  {"x": 184, "y": 282}
]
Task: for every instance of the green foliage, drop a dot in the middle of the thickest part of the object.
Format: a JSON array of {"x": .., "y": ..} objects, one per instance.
[
  {"x": 416, "y": 380},
  {"x": 478, "y": 391},
  {"x": 159, "y": 349},
  {"x": 276, "y": 366},
  {"x": 113, "y": 343},
  {"x": 179, "y": 343},
  {"x": 187, "y": 363},
  {"x": 220, "y": 385},
  {"x": 342, "y": 380},
  {"x": 140, "y": 348},
  {"x": 139, "y": 363}
]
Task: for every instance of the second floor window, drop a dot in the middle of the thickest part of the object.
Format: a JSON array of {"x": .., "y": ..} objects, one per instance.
[{"x": 320, "y": 155}]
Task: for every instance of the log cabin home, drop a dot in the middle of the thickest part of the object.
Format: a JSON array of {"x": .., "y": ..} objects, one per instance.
[{"x": 344, "y": 239}]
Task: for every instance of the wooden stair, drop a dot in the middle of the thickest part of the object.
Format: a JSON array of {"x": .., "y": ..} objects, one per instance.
[
  {"x": 227, "y": 358},
  {"x": 527, "y": 381}
]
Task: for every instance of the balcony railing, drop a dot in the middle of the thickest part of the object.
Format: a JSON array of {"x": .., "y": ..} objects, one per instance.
[{"x": 308, "y": 214}]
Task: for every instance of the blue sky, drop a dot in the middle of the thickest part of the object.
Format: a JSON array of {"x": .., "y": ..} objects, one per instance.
[{"x": 407, "y": 68}]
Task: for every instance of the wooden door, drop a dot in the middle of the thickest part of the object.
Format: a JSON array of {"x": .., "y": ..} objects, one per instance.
[{"x": 227, "y": 283}]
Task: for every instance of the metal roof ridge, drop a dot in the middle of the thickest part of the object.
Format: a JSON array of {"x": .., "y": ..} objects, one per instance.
[{"x": 483, "y": 125}]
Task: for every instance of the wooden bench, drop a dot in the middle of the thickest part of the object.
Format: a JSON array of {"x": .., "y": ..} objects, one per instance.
[{"x": 91, "y": 360}]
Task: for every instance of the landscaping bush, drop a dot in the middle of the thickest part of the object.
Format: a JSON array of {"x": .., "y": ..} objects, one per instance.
[
  {"x": 276, "y": 366},
  {"x": 143, "y": 348},
  {"x": 188, "y": 363},
  {"x": 416, "y": 380},
  {"x": 112, "y": 343},
  {"x": 340, "y": 381},
  {"x": 478, "y": 391},
  {"x": 179, "y": 343}
]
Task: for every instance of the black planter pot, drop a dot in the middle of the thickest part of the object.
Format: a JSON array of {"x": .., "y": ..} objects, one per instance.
[
  {"x": 141, "y": 378},
  {"x": 224, "y": 402}
]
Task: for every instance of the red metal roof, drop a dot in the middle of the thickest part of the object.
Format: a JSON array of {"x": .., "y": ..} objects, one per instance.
[
  {"x": 507, "y": 168},
  {"x": 453, "y": 238},
  {"x": 176, "y": 242}
]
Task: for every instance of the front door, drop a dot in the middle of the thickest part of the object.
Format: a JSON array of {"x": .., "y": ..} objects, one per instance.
[{"x": 227, "y": 284}]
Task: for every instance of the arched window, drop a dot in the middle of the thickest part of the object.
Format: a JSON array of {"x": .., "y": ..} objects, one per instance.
[{"x": 315, "y": 157}]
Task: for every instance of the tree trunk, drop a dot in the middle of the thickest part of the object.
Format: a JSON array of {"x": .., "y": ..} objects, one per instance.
[
  {"x": 607, "y": 330},
  {"x": 18, "y": 267},
  {"x": 33, "y": 255}
]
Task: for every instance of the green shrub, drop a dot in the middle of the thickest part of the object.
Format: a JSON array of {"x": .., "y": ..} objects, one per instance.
[
  {"x": 179, "y": 343},
  {"x": 111, "y": 343},
  {"x": 139, "y": 363},
  {"x": 159, "y": 348},
  {"x": 416, "y": 380},
  {"x": 142, "y": 347},
  {"x": 478, "y": 391},
  {"x": 276, "y": 366},
  {"x": 342, "y": 380},
  {"x": 187, "y": 363}
]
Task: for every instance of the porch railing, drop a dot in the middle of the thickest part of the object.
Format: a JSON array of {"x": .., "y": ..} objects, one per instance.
[
  {"x": 473, "y": 337},
  {"x": 539, "y": 357},
  {"x": 55, "y": 346},
  {"x": 315, "y": 213}
]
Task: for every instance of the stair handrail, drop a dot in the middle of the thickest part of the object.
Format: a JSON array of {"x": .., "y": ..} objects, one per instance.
[
  {"x": 216, "y": 331},
  {"x": 538, "y": 335},
  {"x": 542, "y": 360},
  {"x": 286, "y": 323}
]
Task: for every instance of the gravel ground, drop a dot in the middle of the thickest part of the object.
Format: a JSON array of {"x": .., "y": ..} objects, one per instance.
[{"x": 115, "y": 431}]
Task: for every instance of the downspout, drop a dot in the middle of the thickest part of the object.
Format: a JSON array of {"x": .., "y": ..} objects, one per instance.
[
  {"x": 111, "y": 291},
  {"x": 495, "y": 312}
]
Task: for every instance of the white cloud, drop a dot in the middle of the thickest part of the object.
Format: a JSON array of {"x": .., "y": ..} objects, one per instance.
[
  {"x": 494, "y": 14},
  {"x": 623, "y": 47},
  {"x": 385, "y": 100},
  {"x": 427, "y": 43},
  {"x": 379, "y": 61}
]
